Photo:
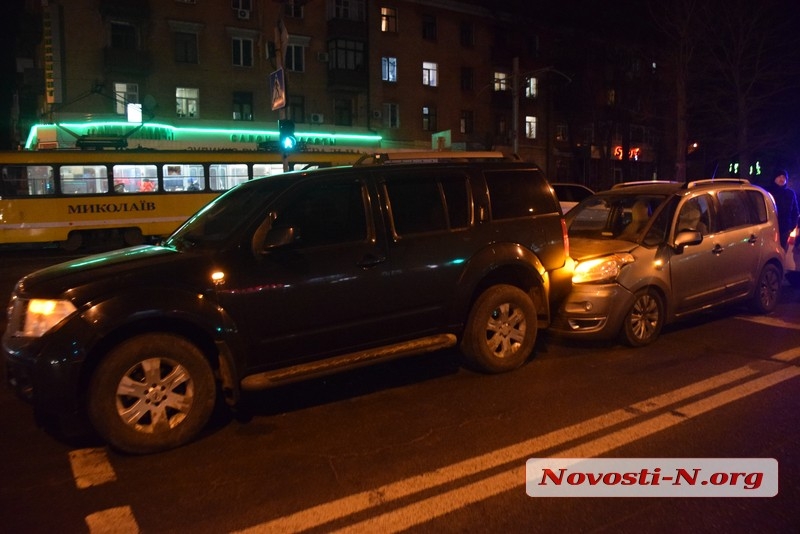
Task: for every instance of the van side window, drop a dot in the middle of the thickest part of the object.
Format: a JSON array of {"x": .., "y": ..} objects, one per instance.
[
  {"x": 736, "y": 209},
  {"x": 519, "y": 193},
  {"x": 428, "y": 202}
]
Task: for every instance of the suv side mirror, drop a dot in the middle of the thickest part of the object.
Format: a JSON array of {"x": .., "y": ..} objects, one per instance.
[
  {"x": 686, "y": 238},
  {"x": 279, "y": 237}
]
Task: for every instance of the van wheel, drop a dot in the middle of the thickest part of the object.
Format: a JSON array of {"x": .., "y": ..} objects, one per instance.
[
  {"x": 767, "y": 291},
  {"x": 501, "y": 329},
  {"x": 645, "y": 319},
  {"x": 151, "y": 393}
]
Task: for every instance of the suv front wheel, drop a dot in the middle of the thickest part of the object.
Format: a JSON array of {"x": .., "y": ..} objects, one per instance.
[
  {"x": 501, "y": 329},
  {"x": 151, "y": 393}
]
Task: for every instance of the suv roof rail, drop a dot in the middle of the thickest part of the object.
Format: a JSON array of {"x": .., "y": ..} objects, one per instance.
[
  {"x": 695, "y": 183},
  {"x": 384, "y": 158},
  {"x": 641, "y": 182}
]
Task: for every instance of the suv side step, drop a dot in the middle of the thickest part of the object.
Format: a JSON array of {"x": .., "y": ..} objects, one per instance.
[{"x": 356, "y": 359}]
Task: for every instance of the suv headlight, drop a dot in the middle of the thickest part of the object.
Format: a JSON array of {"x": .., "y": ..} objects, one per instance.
[
  {"x": 41, "y": 315},
  {"x": 605, "y": 269}
]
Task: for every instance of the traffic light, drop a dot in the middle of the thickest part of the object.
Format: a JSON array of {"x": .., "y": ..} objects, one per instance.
[{"x": 287, "y": 140}]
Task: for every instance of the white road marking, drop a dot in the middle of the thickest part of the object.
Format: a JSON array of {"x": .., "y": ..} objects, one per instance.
[
  {"x": 118, "y": 520},
  {"x": 739, "y": 382},
  {"x": 769, "y": 321},
  {"x": 91, "y": 467}
]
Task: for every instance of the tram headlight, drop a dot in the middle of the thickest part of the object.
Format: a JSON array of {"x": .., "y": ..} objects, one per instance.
[{"x": 42, "y": 315}]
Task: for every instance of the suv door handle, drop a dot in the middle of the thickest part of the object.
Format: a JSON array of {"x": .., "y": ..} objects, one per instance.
[
  {"x": 370, "y": 260},
  {"x": 717, "y": 249}
]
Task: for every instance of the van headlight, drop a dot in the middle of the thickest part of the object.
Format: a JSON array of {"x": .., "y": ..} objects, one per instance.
[
  {"x": 605, "y": 269},
  {"x": 41, "y": 315}
]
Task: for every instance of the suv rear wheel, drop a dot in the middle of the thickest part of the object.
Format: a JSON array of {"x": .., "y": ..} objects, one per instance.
[
  {"x": 501, "y": 329},
  {"x": 768, "y": 288},
  {"x": 151, "y": 393}
]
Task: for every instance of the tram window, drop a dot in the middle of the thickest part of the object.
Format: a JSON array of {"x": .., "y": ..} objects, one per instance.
[
  {"x": 225, "y": 176},
  {"x": 180, "y": 177},
  {"x": 267, "y": 169},
  {"x": 84, "y": 179},
  {"x": 24, "y": 181},
  {"x": 135, "y": 178}
]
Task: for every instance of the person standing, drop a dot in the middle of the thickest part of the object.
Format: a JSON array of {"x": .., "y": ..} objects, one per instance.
[{"x": 786, "y": 204}]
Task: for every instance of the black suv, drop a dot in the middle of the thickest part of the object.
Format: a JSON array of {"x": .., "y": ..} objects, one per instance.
[{"x": 288, "y": 277}]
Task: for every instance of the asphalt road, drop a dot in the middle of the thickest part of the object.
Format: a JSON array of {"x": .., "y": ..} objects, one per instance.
[{"x": 423, "y": 445}]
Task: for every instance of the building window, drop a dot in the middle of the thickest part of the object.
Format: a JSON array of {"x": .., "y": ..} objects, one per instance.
[
  {"x": 187, "y": 102},
  {"x": 429, "y": 27},
  {"x": 467, "y": 78},
  {"x": 501, "y": 81},
  {"x": 242, "y": 106},
  {"x": 429, "y": 76},
  {"x": 295, "y": 58},
  {"x": 291, "y": 9},
  {"x": 391, "y": 115},
  {"x": 347, "y": 9},
  {"x": 185, "y": 47},
  {"x": 345, "y": 55},
  {"x": 467, "y": 123},
  {"x": 388, "y": 19},
  {"x": 429, "y": 118},
  {"x": 123, "y": 36},
  {"x": 242, "y": 4},
  {"x": 124, "y": 94},
  {"x": 467, "y": 35},
  {"x": 296, "y": 108},
  {"x": 530, "y": 127},
  {"x": 532, "y": 88},
  {"x": 389, "y": 69},
  {"x": 561, "y": 132},
  {"x": 343, "y": 112},
  {"x": 242, "y": 52}
]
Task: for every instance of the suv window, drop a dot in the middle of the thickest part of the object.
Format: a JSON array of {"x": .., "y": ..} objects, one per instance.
[
  {"x": 326, "y": 213},
  {"x": 741, "y": 208},
  {"x": 427, "y": 202},
  {"x": 518, "y": 193}
]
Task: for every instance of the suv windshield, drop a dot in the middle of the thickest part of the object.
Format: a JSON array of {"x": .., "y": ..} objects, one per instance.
[
  {"x": 613, "y": 216},
  {"x": 219, "y": 219}
]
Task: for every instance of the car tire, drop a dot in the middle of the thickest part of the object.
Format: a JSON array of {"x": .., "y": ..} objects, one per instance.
[
  {"x": 768, "y": 289},
  {"x": 644, "y": 319},
  {"x": 501, "y": 329},
  {"x": 151, "y": 393}
]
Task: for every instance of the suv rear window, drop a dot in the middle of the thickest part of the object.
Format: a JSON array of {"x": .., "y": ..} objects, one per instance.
[{"x": 519, "y": 193}]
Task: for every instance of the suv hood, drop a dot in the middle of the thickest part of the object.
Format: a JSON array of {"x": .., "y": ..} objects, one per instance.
[
  {"x": 581, "y": 248},
  {"x": 120, "y": 268}
]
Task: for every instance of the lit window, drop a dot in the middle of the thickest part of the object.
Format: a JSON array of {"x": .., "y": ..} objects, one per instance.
[
  {"x": 187, "y": 101},
  {"x": 500, "y": 81},
  {"x": 388, "y": 19},
  {"x": 530, "y": 127},
  {"x": 124, "y": 94},
  {"x": 389, "y": 69},
  {"x": 429, "y": 74},
  {"x": 532, "y": 88}
]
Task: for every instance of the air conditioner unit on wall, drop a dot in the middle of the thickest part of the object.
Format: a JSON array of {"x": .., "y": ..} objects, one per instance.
[
  {"x": 376, "y": 114},
  {"x": 243, "y": 14},
  {"x": 317, "y": 118}
]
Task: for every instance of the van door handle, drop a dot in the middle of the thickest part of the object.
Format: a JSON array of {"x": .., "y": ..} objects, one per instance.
[
  {"x": 753, "y": 238},
  {"x": 371, "y": 260},
  {"x": 717, "y": 249}
]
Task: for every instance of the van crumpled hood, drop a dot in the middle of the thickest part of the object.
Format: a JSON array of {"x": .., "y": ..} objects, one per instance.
[{"x": 582, "y": 249}]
